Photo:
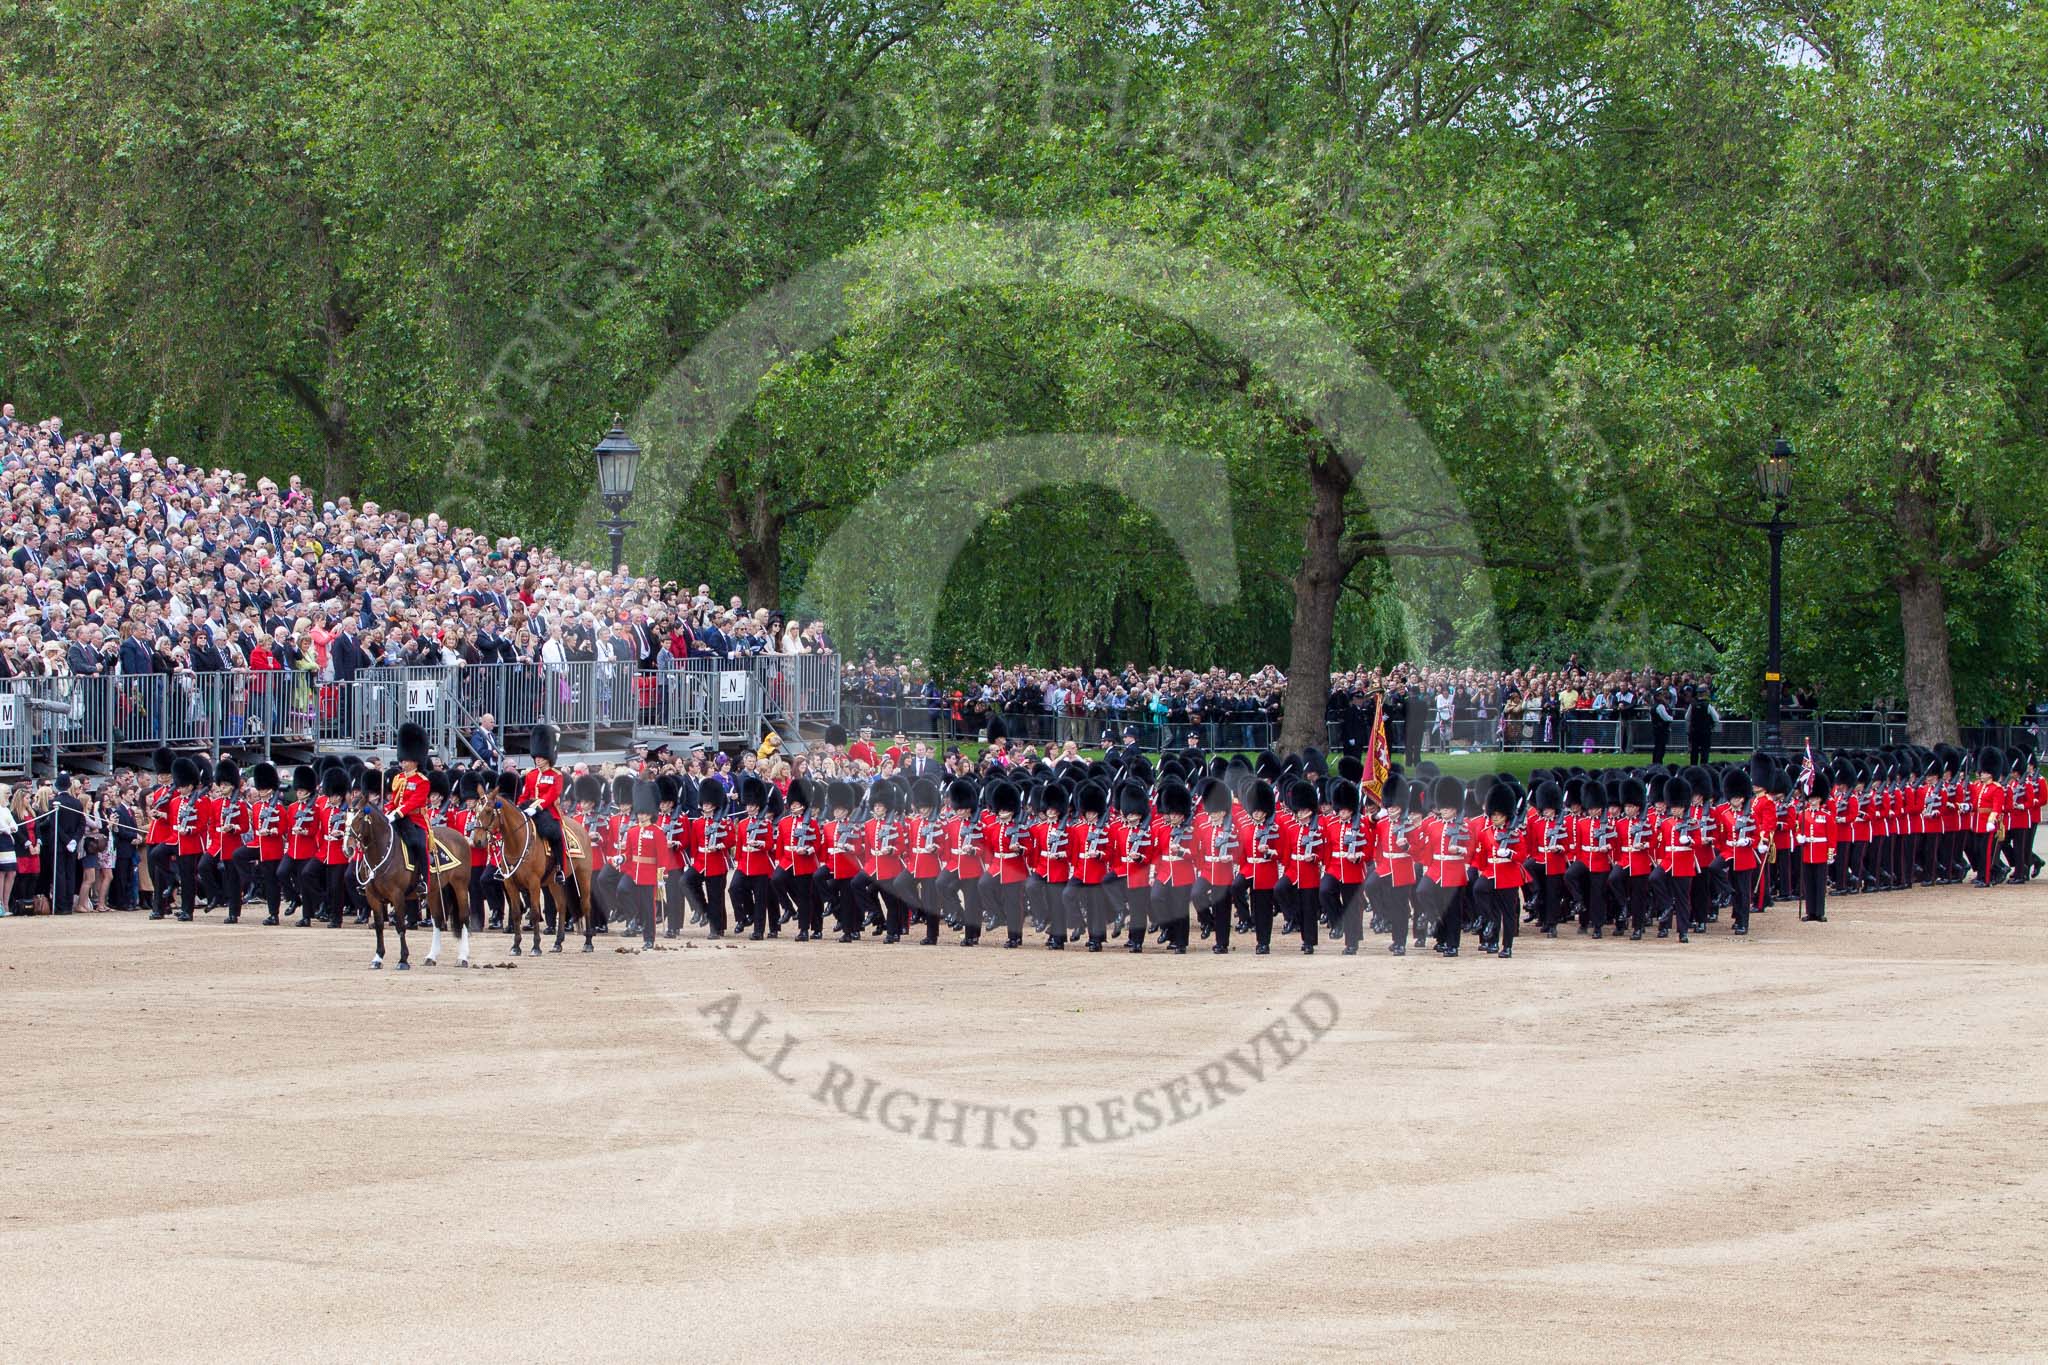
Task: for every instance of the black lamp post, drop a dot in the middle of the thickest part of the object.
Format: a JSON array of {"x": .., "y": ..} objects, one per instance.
[
  {"x": 618, "y": 464},
  {"x": 1774, "y": 486}
]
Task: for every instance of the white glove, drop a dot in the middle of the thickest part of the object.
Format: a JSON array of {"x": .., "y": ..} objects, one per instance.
[{"x": 532, "y": 808}]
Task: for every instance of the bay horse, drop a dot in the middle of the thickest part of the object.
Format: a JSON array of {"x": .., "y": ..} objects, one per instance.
[
  {"x": 522, "y": 860},
  {"x": 378, "y": 865}
]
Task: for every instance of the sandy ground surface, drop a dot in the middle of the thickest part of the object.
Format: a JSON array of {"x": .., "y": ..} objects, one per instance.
[{"x": 1824, "y": 1143}]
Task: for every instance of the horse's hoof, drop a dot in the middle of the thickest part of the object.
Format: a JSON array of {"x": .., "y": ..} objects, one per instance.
[
  {"x": 405, "y": 966},
  {"x": 515, "y": 950},
  {"x": 558, "y": 947},
  {"x": 427, "y": 962},
  {"x": 588, "y": 947},
  {"x": 376, "y": 964}
]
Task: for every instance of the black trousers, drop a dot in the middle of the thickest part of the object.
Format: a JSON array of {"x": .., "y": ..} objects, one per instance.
[
  {"x": 1438, "y": 907},
  {"x": 707, "y": 897},
  {"x": 188, "y": 884},
  {"x": 1744, "y": 881},
  {"x": 1631, "y": 897},
  {"x": 1813, "y": 882},
  {"x": 1547, "y": 890},
  {"x": 1004, "y": 901},
  {"x": 836, "y": 894},
  {"x": 963, "y": 894},
  {"x": 1502, "y": 909},
  {"x": 1092, "y": 905},
  {"x": 336, "y": 887},
  {"x": 1302, "y": 906},
  {"x": 801, "y": 891},
  {"x": 1343, "y": 907},
  {"x": 251, "y": 874},
  {"x": 1262, "y": 916},
  {"x": 1169, "y": 911},
  {"x": 1589, "y": 889},
  {"x": 1212, "y": 902},
  {"x": 753, "y": 904},
  {"x": 163, "y": 877},
  {"x": 637, "y": 902},
  {"x": 1395, "y": 906}
]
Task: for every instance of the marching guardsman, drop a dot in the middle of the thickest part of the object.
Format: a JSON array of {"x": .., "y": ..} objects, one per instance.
[
  {"x": 1346, "y": 839},
  {"x": 1215, "y": 862},
  {"x": 1443, "y": 853},
  {"x": 1739, "y": 837},
  {"x": 1391, "y": 888},
  {"x": 1500, "y": 857},
  {"x": 161, "y": 837},
  {"x": 1635, "y": 835},
  {"x": 406, "y": 802},
  {"x": 261, "y": 856},
  {"x": 1301, "y": 862},
  {"x": 839, "y": 863},
  {"x": 643, "y": 850},
  {"x": 1128, "y": 888},
  {"x": 1815, "y": 833},
  {"x": 1171, "y": 862},
  {"x": 796, "y": 850},
  {"x": 330, "y": 819},
  {"x": 675, "y": 797},
  {"x": 1258, "y": 857},
  {"x": 608, "y": 882},
  {"x": 220, "y": 835},
  {"x": 1050, "y": 863},
  {"x": 540, "y": 796},
  {"x": 1004, "y": 835},
  {"x": 1550, "y": 854},
  {"x": 921, "y": 837},
  {"x": 1990, "y": 815},
  {"x": 753, "y": 887},
  {"x": 1591, "y": 842},
  {"x": 2027, "y": 790},
  {"x": 1681, "y": 838},
  {"x": 707, "y": 842},
  {"x": 960, "y": 860},
  {"x": 1088, "y": 889},
  {"x": 295, "y": 822}
]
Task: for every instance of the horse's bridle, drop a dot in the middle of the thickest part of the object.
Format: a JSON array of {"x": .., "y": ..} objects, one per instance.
[
  {"x": 361, "y": 860},
  {"x": 510, "y": 873}
]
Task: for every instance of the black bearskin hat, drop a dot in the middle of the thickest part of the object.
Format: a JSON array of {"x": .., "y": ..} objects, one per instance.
[
  {"x": 753, "y": 792},
  {"x": 1546, "y": 796},
  {"x": 646, "y": 800},
  {"x": 508, "y": 786},
  {"x": 1391, "y": 789},
  {"x": 924, "y": 794},
  {"x": 1500, "y": 800},
  {"x": 1677, "y": 793},
  {"x": 1736, "y": 785},
  {"x": 334, "y": 783},
  {"x": 1344, "y": 796},
  {"x": 541, "y": 743},
  {"x": 1260, "y": 800},
  {"x": 263, "y": 777},
  {"x": 1216, "y": 797},
  {"x": 1447, "y": 794},
  {"x": 960, "y": 794},
  {"x": 412, "y": 746},
  {"x": 1131, "y": 800},
  {"x": 1634, "y": 793},
  {"x": 622, "y": 790},
  {"x": 304, "y": 779},
  {"x": 1991, "y": 763},
  {"x": 225, "y": 773},
  {"x": 1004, "y": 798},
  {"x": 162, "y": 760},
  {"x": 1176, "y": 799},
  {"x": 1091, "y": 799},
  {"x": 1301, "y": 797}
]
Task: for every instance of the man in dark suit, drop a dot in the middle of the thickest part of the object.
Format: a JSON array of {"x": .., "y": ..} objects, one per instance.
[
  {"x": 346, "y": 653},
  {"x": 483, "y": 742},
  {"x": 66, "y": 832}
]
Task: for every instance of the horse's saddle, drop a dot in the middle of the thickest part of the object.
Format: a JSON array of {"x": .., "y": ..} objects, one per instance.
[{"x": 439, "y": 854}]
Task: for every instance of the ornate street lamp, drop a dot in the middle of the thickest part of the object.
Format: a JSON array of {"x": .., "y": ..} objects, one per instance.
[
  {"x": 1774, "y": 486},
  {"x": 618, "y": 465}
]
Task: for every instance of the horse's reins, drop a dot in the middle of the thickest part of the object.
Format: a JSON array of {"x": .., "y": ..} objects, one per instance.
[{"x": 361, "y": 860}]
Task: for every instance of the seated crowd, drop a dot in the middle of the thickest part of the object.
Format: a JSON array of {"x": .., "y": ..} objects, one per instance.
[{"x": 121, "y": 562}]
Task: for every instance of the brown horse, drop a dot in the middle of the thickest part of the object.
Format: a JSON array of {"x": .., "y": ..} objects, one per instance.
[
  {"x": 523, "y": 866},
  {"x": 379, "y": 868}
]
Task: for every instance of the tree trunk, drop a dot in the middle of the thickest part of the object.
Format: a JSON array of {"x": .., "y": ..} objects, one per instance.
[
  {"x": 1316, "y": 589},
  {"x": 1923, "y": 622},
  {"x": 756, "y": 532},
  {"x": 340, "y": 473}
]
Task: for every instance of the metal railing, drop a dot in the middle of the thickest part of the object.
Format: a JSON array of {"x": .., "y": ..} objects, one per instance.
[{"x": 106, "y": 719}]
